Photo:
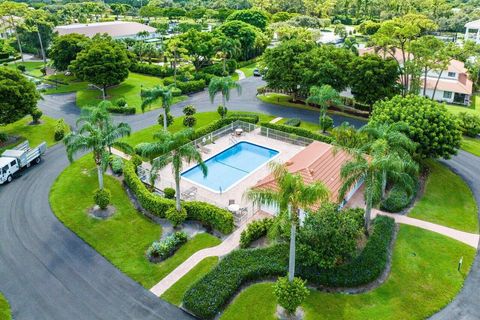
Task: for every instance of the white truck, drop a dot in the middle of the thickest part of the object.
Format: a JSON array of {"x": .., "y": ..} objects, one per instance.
[{"x": 13, "y": 160}]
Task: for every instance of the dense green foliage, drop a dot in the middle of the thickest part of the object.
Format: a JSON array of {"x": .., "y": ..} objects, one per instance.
[
  {"x": 469, "y": 124},
  {"x": 431, "y": 126},
  {"x": 290, "y": 294},
  {"x": 254, "y": 231},
  {"x": 102, "y": 198},
  {"x": 175, "y": 217},
  {"x": 398, "y": 199},
  {"x": 255, "y": 17},
  {"x": 61, "y": 128},
  {"x": 161, "y": 250},
  {"x": 116, "y": 163},
  {"x": 151, "y": 69},
  {"x": 65, "y": 48},
  {"x": 293, "y": 122}
]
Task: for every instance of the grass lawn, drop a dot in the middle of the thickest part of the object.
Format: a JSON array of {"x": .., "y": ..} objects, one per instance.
[
  {"x": 31, "y": 67},
  {"x": 447, "y": 201},
  {"x": 33, "y": 133},
  {"x": 305, "y": 125},
  {"x": 423, "y": 279},
  {"x": 123, "y": 238},
  {"x": 248, "y": 70},
  {"x": 473, "y": 108},
  {"x": 5, "y": 313},
  {"x": 175, "y": 294},
  {"x": 203, "y": 119},
  {"x": 471, "y": 145}
]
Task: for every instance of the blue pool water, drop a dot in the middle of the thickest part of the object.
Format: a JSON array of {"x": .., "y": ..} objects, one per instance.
[{"x": 230, "y": 166}]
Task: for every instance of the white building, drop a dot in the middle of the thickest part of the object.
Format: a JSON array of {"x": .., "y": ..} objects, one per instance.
[
  {"x": 115, "y": 29},
  {"x": 472, "y": 31}
]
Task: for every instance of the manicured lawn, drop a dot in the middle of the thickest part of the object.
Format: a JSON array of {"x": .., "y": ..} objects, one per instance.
[
  {"x": 5, "y": 313},
  {"x": 123, "y": 238},
  {"x": 31, "y": 67},
  {"x": 248, "y": 70},
  {"x": 175, "y": 294},
  {"x": 473, "y": 108},
  {"x": 203, "y": 119},
  {"x": 471, "y": 145},
  {"x": 34, "y": 133},
  {"x": 447, "y": 201},
  {"x": 423, "y": 279},
  {"x": 304, "y": 124}
]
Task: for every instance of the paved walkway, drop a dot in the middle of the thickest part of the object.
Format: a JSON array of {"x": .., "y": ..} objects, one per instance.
[
  {"x": 241, "y": 74},
  {"x": 277, "y": 119}
]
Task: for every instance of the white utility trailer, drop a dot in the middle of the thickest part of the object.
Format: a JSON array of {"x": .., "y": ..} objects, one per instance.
[{"x": 13, "y": 160}]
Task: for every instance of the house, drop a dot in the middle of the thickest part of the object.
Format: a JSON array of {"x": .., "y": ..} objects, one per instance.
[
  {"x": 454, "y": 84},
  {"x": 115, "y": 29},
  {"x": 472, "y": 31},
  {"x": 317, "y": 162}
]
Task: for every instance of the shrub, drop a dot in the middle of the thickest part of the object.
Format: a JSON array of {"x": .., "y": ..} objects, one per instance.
[
  {"x": 161, "y": 250},
  {"x": 21, "y": 68},
  {"x": 36, "y": 115},
  {"x": 176, "y": 92},
  {"x": 397, "y": 200},
  {"x": 222, "y": 111},
  {"x": 189, "y": 110},
  {"x": 326, "y": 123},
  {"x": 469, "y": 124},
  {"x": 297, "y": 131},
  {"x": 207, "y": 77},
  {"x": 191, "y": 86},
  {"x": 217, "y": 68},
  {"x": 293, "y": 122},
  {"x": 170, "y": 119},
  {"x": 61, "y": 129},
  {"x": 189, "y": 121},
  {"x": 210, "y": 216},
  {"x": 102, "y": 198},
  {"x": 240, "y": 114},
  {"x": 290, "y": 294},
  {"x": 176, "y": 217},
  {"x": 254, "y": 231},
  {"x": 3, "y": 137},
  {"x": 151, "y": 69},
  {"x": 116, "y": 163},
  {"x": 123, "y": 110},
  {"x": 136, "y": 160},
  {"x": 121, "y": 102},
  {"x": 169, "y": 193}
]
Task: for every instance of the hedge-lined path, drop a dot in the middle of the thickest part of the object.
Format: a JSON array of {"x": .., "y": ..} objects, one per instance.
[{"x": 231, "y": 243}]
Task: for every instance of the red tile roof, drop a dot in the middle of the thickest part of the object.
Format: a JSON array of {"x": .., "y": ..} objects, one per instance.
[{"x": 113, "y": 28}]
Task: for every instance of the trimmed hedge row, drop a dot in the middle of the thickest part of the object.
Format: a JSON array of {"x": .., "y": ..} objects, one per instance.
[
  {"x": 298, "y": 131},
  {"x": 187, "y": 86},
  {"x": 209, "y": 215},
  {"x": 217, "y": 68},
  {"x": 254, "y": 231},
  {"x": 209, "y": 295},
  {"x": 151, "y": 69},
  {"x": 221, "y": 123},
  {"x": 124, "y": 110},
  {"x": 294, "y": 122}
]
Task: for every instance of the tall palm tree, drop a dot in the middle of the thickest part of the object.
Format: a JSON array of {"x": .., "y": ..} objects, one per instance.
[
  {"x": 291, "y": 196},
  {"x": 324, "y": 96},
  {"x": 227, "y": 49},
  {"x": 390, "y": 138},
  {"x": 174, "y": 148},
  {"x": 97, "y": 133},
  {"x": 150, "y": 96},
  {"x": 223, "y": 85}
]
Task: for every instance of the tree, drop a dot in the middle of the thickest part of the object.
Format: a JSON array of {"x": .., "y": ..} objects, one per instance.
[
  {"x": 96, "y": 134},
  {"x": 255, "y": 17},
  {"x": 291, "y": 196},
  {"x": 150, "y": 96},
  {"x": 341, "y": 31},
  {"x": 373, "y": 78},
  {"x": 227, "y": 48},
  {"x": 328, "y": 237},
  {"x": 175, "y": 52},
  {"x": 324, "y": 96},
  {"x": 65, "y": 48},
  {"x": 14, "y": 10},
  {"x": 223, "y": 85},
  {"x": 18, "y": 96},
  {"x": 200, "y": 47},
  {"x": 120, "y": 8},
  {"x": 431, "y": 126},
  {"x": 36, "y": 31},
  {"x": 174, "y": 149},
  {"x": 252, "y": 40},
  {"x": 102, "y": 62},
  {"x": 290, "y": 293}
]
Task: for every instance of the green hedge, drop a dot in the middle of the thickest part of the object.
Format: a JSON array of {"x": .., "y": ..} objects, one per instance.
[
  {"x": 217, "y": 68},
  {"x": 187, "y": 86},
  {"x": 123, "y": 110},
  {"x": 209, "y": 295},
  {"x": 221, "y": 123},
  {"x": 163, "y": 249},
  {"x": 254, "y": 231},
  {"x": 298, "y": 131},
  {"x": 209, "y": 215},
  {"x": 397, "y": 200},
  {"x": 294, "y": 122},
  {"x": 151, "y": 69}
]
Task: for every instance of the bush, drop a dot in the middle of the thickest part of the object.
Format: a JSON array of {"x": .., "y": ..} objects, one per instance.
[
  {"x": 203, "y": 76},
  {"x": 222, "y": 111},
  {"x": 3, "y": 137},
  {"x": 161, "y": 250},
  {"x": 151, "y": 69},
  {"x": 176, "y": 217},
  {"x": 61, "y": 128},
  {"x": 297, "y": 131},
  {"x": 293, "y": 122},
  {"x": 326, "y": 123},
  {"x": 121, "y": 102},
  {"x": 189, "y": 121},
  {"x": 290, "y": 294},
  {"x": 189, "y": 110},
  {"x": 170, "y": 119},
  {"x": 169, "y": 193},
  {"x": 217, "y": 68},
  {"x": 123, "y": 110},
  {"x": 397, "y": 200},
  {"x": 21, "y": 68},
  {"x": 254, "y": 231},
  {"x": 255, "y": 118},
  {"x": 36, "y": 115},
  {"x": 116, "y": 163},
  {"x": 191, "y": 86},
  {"x": 210, "y": 216},
  {"x": 469, "y": 124},
  {"x": 102, "y": 198}
]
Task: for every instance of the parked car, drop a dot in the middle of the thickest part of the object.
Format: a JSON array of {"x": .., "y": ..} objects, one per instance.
[
  {"x": 256, "y": 73},
  {"x": 12, "y": 161}
]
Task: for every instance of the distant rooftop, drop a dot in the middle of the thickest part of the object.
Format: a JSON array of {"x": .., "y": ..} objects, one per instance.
[
  {"x": 473, "y": 24},
  {"x": 114, "y": 28}
]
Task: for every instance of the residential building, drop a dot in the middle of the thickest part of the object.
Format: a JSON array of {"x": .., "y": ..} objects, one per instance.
[
  {"x": 115, "y": 29},
  {"x": 472, "y": 31},
  {"x": 454, "y": 84}
]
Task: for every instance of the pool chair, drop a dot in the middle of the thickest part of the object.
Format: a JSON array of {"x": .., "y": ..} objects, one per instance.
[{"x": 189, "y": 194}]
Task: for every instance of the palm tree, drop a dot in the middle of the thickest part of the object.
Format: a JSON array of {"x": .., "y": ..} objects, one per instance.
[
  {"x": 174, "y": 148},
  {"x": 385, "y": 139},
  {"x": 97, "y": 132},
  {"x": 227, "y": 49},
  {"x": 291, "y": 196},
  {"x": 175, "y": 51},
  {"x": 223, "y": 85},
  {"x": 324, "y": 96},
  {"x": 150, "y": 96}
]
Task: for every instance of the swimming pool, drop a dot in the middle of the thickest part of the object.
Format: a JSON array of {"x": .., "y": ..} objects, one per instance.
[{"x": 228, "y": 167}]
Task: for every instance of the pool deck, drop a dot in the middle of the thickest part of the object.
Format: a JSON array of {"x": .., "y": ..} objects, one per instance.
[{"x": 235, "y": 194}]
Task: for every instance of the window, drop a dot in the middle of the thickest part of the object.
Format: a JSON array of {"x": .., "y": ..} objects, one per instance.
[
  {"x": 14, "y": 162},
  {"x": 452, "y": 74},
  {"x": 447, "y": 94},
  {"x": 4, "y": 169}
]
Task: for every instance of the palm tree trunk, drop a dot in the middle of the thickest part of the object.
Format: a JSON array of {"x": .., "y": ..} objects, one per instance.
[
  {"x": 291, "y": 260},
  {"x": 368, "y": 213},
  {"x": 175, "y": 68},
  {"x": 100, "y": 176},
  {"x": 224, "y": 66},
  {"x": 165, "y": 123},
  {"x": 41, "y": 48},
  {"x": 177, "y": 192},
  {"x": 18, "y": 38},
  {"x": 436, "y": 84},
  {"x": 384, "y": 183},
  {"x": 425, "y": 82},
  {"x": 224, "y": 101},
  {"x": 104, "y": 92}
]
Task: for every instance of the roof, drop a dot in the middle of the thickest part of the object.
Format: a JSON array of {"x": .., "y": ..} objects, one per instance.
[
  {"x": 4, "y": 161},
  {"x": 465, "y": 87},
  {"x": 473, "y": 24},
  {"x": 317, "y": 162},
  {"x": 112, "y": 28}
]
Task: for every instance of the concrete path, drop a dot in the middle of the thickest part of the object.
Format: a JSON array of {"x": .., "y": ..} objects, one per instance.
[
  {"x": 241, "y": 74},
  {"x": 277, "y": 119}
]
